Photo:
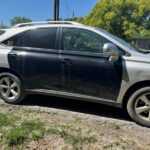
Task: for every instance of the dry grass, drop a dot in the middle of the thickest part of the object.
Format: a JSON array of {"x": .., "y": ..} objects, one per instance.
[{"x": 27, "y": 128}]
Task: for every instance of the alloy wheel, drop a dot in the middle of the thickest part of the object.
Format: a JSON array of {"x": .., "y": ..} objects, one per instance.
[
  {"x": 9, "y": 88},
  {"x": 142, "y": 107}
]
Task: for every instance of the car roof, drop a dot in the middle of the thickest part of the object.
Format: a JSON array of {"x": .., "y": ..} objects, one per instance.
[{"x": 10, "y": 32}]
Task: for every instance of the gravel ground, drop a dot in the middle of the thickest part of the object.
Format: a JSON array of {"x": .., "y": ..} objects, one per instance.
[{"x": 111, "y": 127}]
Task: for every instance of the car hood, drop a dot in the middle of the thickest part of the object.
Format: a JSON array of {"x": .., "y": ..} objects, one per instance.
[{"x": 138, "y": 57}]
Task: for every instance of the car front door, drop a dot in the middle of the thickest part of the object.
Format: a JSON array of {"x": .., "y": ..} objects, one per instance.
[
  {"x": 35, "y": 58},
  {"x": 87, "y": 70}
]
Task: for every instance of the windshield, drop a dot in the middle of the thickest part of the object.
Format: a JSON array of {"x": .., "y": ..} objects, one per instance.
[
  {"x": 2, "y": 32},
  {"x": 131, "y": 47}
]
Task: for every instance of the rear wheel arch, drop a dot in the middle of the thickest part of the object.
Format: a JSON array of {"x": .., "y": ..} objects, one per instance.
[
  {"x": 133, "y": 89},
  {"x": 7, "y": 70}
]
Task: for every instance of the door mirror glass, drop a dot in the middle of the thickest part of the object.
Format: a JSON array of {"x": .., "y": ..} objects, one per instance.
[{"x": 110, "y": 50}]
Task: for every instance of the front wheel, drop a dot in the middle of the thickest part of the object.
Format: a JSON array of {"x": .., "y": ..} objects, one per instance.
[
  {"x": 11, "y": 90},
  {"x": 138, "y": 106}
]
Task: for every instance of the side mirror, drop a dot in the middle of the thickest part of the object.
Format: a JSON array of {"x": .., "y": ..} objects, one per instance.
[{"x": 111, "y": 51}]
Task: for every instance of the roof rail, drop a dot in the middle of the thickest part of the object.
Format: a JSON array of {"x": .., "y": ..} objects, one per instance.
[{"x": 47, "y": 23}]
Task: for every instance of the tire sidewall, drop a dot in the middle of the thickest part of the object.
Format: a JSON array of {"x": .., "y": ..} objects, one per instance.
[
  {"x": 18, "y": 81},
  {"x": 131, "y": 106}
]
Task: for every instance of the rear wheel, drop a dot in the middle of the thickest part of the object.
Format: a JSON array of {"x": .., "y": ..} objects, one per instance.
[
  {"x": 11, "y": 90},
  {"x": 138, "y": 106}
]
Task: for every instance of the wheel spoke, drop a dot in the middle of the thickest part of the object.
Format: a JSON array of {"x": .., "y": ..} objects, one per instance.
[
  {"x": 145, "y": 99},
  {"x": 14, "y": 85},
  {"x": 14, "y": 93},
  {"x": 141, "y": 109},
  {"x": 3, "y": 86},
  {"x": 7, "y": 81},
  {"x": 7, "y": 93}
]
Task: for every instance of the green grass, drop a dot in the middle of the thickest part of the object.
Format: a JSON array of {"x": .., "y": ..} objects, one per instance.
[
  {"x": 74, "y": 140},
  {"x": 15, "y": 132},
  {"x": 4, "y": 120},
  {"x": 15, "y": 136},
  {"x": 114, "y": 126},
  {"x": 32, "y": 125},
  {"x": 36, "y": 135},
  {"x": 7, "y": 119},
  {"x": 34, "y": 129}
]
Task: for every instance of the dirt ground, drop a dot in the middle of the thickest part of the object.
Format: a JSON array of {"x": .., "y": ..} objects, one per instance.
[{"x": 72, "y": 124}]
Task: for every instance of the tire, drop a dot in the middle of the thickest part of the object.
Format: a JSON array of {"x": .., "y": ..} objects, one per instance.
[
  {"x": 138, "y": 106},
  {"x": 11, "y": 88}
]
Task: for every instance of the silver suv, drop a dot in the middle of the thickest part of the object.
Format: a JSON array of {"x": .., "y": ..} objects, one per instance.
[{"x": 72, "y": 60}]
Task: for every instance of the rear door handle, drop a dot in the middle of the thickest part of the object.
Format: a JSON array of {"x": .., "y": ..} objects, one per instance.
[
  {"x": 17, "y": 54},
  {"x": 14, "y": 54},
  {"x": 67, "y": 61}
]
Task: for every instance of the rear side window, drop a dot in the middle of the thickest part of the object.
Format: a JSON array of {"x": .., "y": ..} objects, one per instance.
[
  {"x": 40, "y": 38},
  {"x": 2, "y": 32},
  {"x": 15, "y": 40},
  {"x": 37, "y": 38}
]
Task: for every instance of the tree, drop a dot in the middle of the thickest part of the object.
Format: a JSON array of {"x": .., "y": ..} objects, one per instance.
[
  {"x": 2, "y": 26},
  {"x": 17, "y": 20},
  {"x": 123, "y": 18}
]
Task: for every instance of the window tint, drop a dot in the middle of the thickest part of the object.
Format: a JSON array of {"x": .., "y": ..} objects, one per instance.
[
  {"x": 40, "y": 38},
  {"x": 15, "y": 40},
  {"x": 37, "y": 38},
  {"x": 82, "y": 40}
]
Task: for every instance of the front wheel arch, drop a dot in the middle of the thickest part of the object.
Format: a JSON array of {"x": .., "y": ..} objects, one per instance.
[
  {"x": 133, "y": 89},
  {"x": 138, "y": 106}
]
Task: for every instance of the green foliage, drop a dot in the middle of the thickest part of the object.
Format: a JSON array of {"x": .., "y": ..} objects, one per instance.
[
  {"x": 17, "y": 20},
  {"x": 145, "y": 34},
  {"x": 123, "y": 18}
]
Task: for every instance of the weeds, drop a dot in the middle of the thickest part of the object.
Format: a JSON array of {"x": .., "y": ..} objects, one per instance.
[
  {"x": 114, "y": 126},
  {"x": 34, "y": 130},
  {"x": 4, "y": 120},
  {"x": 15, "y": 136},
  {"x": 27, "y": 129},
  {"x": 74, "y": 140}
]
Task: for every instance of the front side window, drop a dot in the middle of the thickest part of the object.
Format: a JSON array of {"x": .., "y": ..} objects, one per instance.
[
  {"x": 37, "y": 38},
  {"x": 82, "y": 40}
]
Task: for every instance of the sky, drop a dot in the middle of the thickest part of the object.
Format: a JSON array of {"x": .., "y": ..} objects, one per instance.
[{"x": 40, "y": 10}]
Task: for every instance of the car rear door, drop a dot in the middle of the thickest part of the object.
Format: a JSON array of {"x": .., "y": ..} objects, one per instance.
[
  {"x": 87, "y": 70},
  {"x": 35, "y": 57}
]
